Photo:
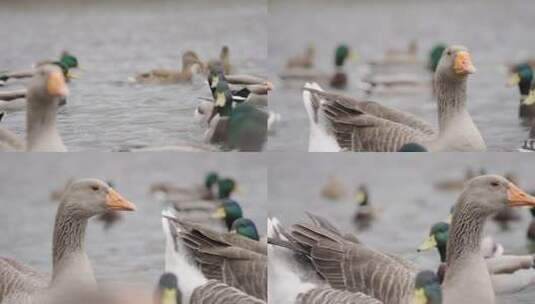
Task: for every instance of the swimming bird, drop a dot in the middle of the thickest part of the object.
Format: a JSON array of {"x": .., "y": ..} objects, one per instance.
[
  {"x": 340, "y": 123},
  {"x": 45, "y": 91},
  {"x": 366, "y": 213},
  {"x": 223, "y": 61},
  {"x": 304, "y": 60},
  {"x": 71, "y": 268},
  {"x": 529, "y": 144},
  {"x": 333, "y": 189},
  {"x": 204, "y": 191},
  {"x": 190, "y": 64},
  {"x": 522, "y": 76},
  {"x": 234, "y": 260}
]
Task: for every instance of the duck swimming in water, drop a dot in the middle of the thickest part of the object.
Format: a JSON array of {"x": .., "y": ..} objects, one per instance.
[{"x": 190, "y": 64}]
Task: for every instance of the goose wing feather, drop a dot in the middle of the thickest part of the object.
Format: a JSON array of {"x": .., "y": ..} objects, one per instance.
[
  {"x": 219, "y": 293},
  {"x": 327, "y": 295},
  {"x": 17, "y": 279}
]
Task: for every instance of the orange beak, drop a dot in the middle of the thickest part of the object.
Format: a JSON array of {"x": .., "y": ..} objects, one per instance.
[
  {"x": 463, "y": 64},
  {"x": 114, "y": 201},
  {"x": 56, "y": 85},
  {"x": 518, "y": 198}
]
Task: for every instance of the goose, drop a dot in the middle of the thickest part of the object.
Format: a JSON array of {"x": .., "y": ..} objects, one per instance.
[
  {"x": 45, "y": 91},
  {"x": 522, "y": 76},
  {"x": 507, "y": 215},
  {"x": 341, "y": 123},
  {"x": 505, "y": 278},
  {"x": 338, "y": 80},
  {"x": 84, "y": 199},
  {"x": 327, "y": 289},
  {"x": 190, "y": 65},
  {"x": 333, "y": 189},
  {"x": 223, "y": 61},
  {"x": 237, "y": 262},
  {"x": 350, "y": 265},
  {"x": 366, "y": 213},
  {"x": 67, "y": 62},
  {"x": 304, "y": 61}
]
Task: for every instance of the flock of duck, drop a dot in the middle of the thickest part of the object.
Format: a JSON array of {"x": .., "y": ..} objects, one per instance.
[
  {"x": 235, "y": 116},
  {"x": 343, "y": 123}
]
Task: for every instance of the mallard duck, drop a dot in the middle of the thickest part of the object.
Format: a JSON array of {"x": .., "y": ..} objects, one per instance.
[
  {"x": 304, "y": 61},
  {"x": 232, "y": 259},
  {"x": 333, "y": 189},
  {"x": 434, "y": 56},
  {"x": 347, "y": 264},
  {"x": 205, "y": 191},
  {"x": 190, "y": 64},
  {"x": 245, "y": 227},
  {"x": 67, "y": 62},
  {"x": 222, "y": 63},
  {"x": 458, "y": 184},
  {"x": 340, "y": 123},
  {"x": 522, "y": 76},
  {"x": 338, "y": 80},
  {"x": 45, "y": 91},
  {"x": 225, "y": 188},
  {"x": 366, "y": 213},
  {"x": 529, "y": 144},
  {"x": 71, "y": 268}
]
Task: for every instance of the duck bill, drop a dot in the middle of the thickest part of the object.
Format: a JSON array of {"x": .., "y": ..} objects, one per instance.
[
  {"x": 219, "y": 213},
  {"x": 419, "y": 297},
  {"x": 519, "y": 198},
  {"x": 513, "y": 80},
  {"x": 428, "y": 244},
  {"x": 360, "y": 197},
  {"x": 220, "y": 99},
  {"x": 56, "y": 85},
  {"x": 530, "y": 100},
  {"x": 463, "y": 64},
  {"x": 114, "y": 201}
]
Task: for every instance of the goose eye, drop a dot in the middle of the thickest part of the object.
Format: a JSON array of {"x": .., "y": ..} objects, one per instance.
[
  {"x": 449, "y": 53},
  {"x": 494, "y": 184},
  {"x": 95, "y": 188}
]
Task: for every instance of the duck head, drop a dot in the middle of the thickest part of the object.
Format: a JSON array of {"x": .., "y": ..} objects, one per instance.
[
  {"x": 521, "y": 75},
  {"x": 167, "y": 291},
  {"x": 435, "y": 55},
  {"x": 245, "y": 227},
  {"x": 361, "y": 197},
  {"x": 229, "y": 211},
  {"x": 341, "y": 54},
  {"x": 226, "y": 187},
  {"x": 455, "y": 63},
  {"x": 222, "y": 99},
  {"x": 438, "y": 237},
  {"x": 88, "y": 197},
  {"x": 210, "y": 179},
  {"x": 427, "y": 288}
]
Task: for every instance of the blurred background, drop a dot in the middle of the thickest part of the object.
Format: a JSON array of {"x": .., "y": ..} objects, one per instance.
[
  {"x": 496, "y": 32},
  {"x": 115, "y": 40},
  {"x": 407, "y": 191},
  {"x": 132, "y": 250}
]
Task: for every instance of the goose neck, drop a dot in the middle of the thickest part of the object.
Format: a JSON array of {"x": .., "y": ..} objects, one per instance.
[
  {"x": 451, "y": 98},
  {"x": 40, "y": 119}
]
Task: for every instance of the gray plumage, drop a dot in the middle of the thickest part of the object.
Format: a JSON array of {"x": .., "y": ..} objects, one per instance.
[
  {"x": 215, "y": 292},
  {"x": 327, "y": 295}
]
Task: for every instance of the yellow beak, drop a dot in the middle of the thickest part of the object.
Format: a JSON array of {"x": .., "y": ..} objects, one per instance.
[
  {"x": 354, "y": 56},
  {"x": 429, "y": 243},
  {"x": 169, "y": 296},
  {"x": 419, "y": 297},
  {"x": 530, "y": 99},
  {"x": 219, "y": 213},
  {"x": 513, "y": 80},
  {"x": 360, "y": 197},
  {"x": 220, "y": 100}
]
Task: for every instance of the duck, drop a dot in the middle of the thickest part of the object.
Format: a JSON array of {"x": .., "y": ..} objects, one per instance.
[
  {"x": 204, "y": 191},
  {"x": 434, "y": 56},
  {"x": 223, "y": 61},
  {"x": 45, "y": 91},
  {"x": 338, "y": 80},
  {"x": 304, "y": 60},
  {"x": 458, "y": 184},
  {"x": 239, "y": 263},
  {"x": 190, "y": 65},
  {"x": 348, "y": 264},
  {"x": 66, "y": 63},
  {"x": 313, "y": 250},
  {"x": 529, "y": 144},
  {"x": 522, "y": 76},
  {"x": 341, "y": 123},
  {"x": 333, "y": 189},
  {"x": 71, "y": 268},
  {"x": 505, "y": 278},
  {"x": 366, "y": 213}
]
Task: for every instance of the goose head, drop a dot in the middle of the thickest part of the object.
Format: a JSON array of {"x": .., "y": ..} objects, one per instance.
[
  {"x": 361, "y": 197},
  {"x": 167, "y": 291},
  {"x": 488, "y": 194},
  {"x": 89, "y": 197},
  {"x": 48, "y": 83},
  {"x": 455, "y": 63},
  {"x": 438, "y": 237},
  {"x": 245, "y": 227},
  {"x": 427, "y": 288},
  {"x": 229, "y": 211}
]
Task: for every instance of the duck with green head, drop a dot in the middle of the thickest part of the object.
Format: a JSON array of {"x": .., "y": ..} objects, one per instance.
[
  {"x": 245, "y": 227},
  {"x": 229, "y": 211},
  {"x": 434, "y": 56},
  {"x": 427, "y": 288},
  {"x": 167, "y": 291},
  {"x": 522, "y": 76},
  {"x": 438, "y": 237},
  {"x": 339, "y": 79},
  {"x": 365, "y": 214}
]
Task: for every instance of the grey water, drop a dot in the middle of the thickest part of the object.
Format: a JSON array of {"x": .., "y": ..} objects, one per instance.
[
  {"x": 131, "y": 251},
  {"x": 402, "y": 189},
  {"x": 115, "y": 40},
  {"x": 496, "y": 33}
]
